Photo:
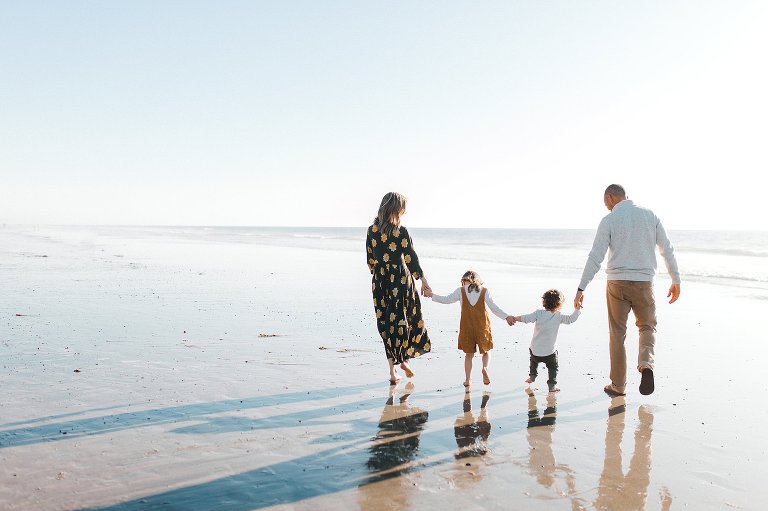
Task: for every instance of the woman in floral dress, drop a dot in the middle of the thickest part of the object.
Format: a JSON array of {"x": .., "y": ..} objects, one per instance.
[{"x": 394, "y": 264}]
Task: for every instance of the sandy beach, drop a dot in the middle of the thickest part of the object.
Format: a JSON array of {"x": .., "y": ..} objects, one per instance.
[{"x": 141, "y": 372}]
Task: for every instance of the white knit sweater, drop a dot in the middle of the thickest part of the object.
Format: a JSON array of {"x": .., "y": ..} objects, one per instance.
[{"x": 630, "y": 234}]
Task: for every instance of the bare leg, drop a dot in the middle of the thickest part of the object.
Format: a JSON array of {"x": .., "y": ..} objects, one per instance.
[
  {"x": 486, "y": 359},
  {"x": 468, "y": 368},
  {"x": 393, "y": 376}
]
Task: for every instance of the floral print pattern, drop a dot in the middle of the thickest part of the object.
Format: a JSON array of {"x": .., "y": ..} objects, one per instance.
[{"x": 394, "y": 265}]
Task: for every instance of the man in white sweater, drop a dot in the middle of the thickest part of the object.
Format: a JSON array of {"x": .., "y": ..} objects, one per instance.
[{"x": 630, "y": 234}]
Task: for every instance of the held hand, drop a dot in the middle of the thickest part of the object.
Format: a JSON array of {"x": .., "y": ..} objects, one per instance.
[
  {"x": 511, "y": 320},
  {"x": 578, "y": 301},
  {"x": 674, "y": 292},
  {"x": 425, "y": 289}
]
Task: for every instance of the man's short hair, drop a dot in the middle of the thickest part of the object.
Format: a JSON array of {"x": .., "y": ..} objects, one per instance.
[{"x": 615, "y": 190}]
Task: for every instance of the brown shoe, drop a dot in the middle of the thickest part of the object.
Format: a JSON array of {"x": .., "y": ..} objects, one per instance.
[{"x": 646, "y": 382}]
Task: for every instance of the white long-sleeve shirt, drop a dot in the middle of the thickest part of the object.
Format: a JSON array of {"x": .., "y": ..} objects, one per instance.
[
  {"x": 547, "y": 324},
  {"x": 632, "y": 234},
  {"x": 473, "y": 297}
]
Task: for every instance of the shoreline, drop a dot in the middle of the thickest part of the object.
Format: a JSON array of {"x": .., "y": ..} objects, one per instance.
[{"x": 701, "y": 261}]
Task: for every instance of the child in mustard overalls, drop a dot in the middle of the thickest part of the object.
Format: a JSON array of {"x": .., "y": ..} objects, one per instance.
[{"x": 475, "y": 325}]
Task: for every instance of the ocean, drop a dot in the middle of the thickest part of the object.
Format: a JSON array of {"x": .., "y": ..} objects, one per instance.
[{"x": 728, "y": 258}]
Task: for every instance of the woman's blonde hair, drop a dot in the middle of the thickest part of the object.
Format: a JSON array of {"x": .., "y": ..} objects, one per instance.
[
  {"x": 392, "y": 207},
  {"x": 474, "y": 280}
]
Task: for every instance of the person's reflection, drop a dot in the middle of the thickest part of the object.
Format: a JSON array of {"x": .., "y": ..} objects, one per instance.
[
  {"x": 397, "y": 441},
  {"x": 472, "y": 435},
  {"x": 541, "y": 458},
  {"x": 617, "y": 490}
]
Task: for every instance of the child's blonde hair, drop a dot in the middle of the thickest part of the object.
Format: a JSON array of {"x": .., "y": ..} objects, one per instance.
[
  {"x": 552, "y": 299},
  {"x": 474, "y": 280}
]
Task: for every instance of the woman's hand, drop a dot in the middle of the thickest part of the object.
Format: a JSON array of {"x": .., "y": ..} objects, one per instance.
[{"x": 425, "y": 289}]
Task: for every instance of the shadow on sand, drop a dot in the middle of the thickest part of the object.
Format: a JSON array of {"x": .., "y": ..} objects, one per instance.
[
  {"x": 401, "y": 443},
  {"x": 84, "y": 427},
  {"x": 372, "y": 450}
]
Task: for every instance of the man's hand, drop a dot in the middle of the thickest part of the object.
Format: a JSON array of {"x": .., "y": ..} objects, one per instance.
[
  {"x": 578, "y": 301},
  {"x": 511, "y": 320},
  {"x": 674, "y": 292}
]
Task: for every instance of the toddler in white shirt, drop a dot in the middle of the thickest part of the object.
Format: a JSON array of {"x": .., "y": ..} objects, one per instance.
[{"x": 547, "y": 323}]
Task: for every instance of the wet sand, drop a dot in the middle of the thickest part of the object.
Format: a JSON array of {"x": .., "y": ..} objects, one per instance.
[{"x": 237, "y": 377}]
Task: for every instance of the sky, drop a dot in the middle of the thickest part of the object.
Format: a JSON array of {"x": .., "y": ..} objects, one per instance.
[{"x": 299, "y": 113}]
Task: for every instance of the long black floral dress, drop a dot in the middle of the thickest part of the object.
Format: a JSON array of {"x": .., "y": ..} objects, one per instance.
[{"x": 394, "y": 264}]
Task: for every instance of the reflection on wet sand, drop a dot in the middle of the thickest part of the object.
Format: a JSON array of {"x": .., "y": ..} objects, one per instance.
[
  {"x": 394, "y": 449},
  {"x": 397, "y": 441},
  {"x": 541, "y": 458},
  {"x": 627, "y": 492},
  {"x": 616, "y": 491},
  {"x": 472, "y": 435}
]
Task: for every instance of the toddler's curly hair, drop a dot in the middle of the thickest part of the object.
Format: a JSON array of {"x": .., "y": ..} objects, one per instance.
[{"x": 552, "y": 299}]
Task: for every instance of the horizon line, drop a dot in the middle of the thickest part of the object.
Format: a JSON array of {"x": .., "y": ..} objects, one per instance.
[{"x": 254, "y": 226}]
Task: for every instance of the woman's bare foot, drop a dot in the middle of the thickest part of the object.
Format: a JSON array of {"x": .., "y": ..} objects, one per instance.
[
  {"x": 486, "y": 378},
  {"x": 467, "y": 383},
  {"x": 529, "y": 380},
  {"x": 394, "y": 378},
  {"x": 407, "y": 370}
]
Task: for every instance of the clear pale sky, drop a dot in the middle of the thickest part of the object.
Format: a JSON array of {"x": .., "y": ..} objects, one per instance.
[{"x": 485, "y": 114}]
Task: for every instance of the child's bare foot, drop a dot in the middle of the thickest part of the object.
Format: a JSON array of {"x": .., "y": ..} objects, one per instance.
[
  {"x": 407, "y": 370},
  {"x": 486, "y": 378},
  {"x": 467, "y": 383},
  {"x": 529, "y": 380}
]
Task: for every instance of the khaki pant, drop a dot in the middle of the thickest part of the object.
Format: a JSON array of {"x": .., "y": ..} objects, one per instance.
[{"x": 623, "y": 296}]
